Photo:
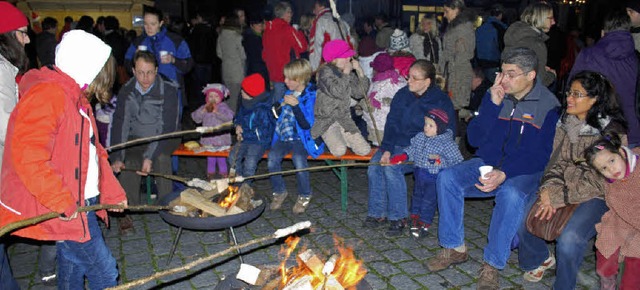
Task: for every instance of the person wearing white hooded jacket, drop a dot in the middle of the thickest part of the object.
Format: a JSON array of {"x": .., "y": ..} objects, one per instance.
[{"x": 54, "y": 163}]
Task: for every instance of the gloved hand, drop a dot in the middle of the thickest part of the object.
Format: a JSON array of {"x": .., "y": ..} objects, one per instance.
[{"x": 397, "y": 159}]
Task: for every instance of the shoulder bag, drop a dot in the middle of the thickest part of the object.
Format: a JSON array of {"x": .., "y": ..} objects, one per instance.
[{"x": 552, "y": 228}]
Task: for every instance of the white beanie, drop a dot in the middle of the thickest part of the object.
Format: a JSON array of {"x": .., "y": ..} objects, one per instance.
[
  {"x": 81, "y": 55},
  {"x": 399, "y": 41}
]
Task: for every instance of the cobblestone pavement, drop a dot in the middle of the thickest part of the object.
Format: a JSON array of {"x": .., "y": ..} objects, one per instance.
[{"x": 391, "y": 263}]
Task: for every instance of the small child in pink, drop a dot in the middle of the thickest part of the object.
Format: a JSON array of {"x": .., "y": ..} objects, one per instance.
[
  {"x": 619, "y": 229},
  {"x": 213, "y": 113}
]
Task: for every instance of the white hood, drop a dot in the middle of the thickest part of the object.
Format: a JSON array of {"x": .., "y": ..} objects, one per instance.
[{"x": 81, "y": 55}]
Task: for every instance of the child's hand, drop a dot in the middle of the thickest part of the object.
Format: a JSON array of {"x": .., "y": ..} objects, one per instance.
[
  {"x": 210, "y": 107},
  {"x": 384, "y": 160},
  {"x": 291, "y": 100},
  {"x": 239, "y": 132}
]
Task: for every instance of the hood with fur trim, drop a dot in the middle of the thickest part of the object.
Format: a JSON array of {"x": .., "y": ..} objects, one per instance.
[{"x": 81, "y": 55}]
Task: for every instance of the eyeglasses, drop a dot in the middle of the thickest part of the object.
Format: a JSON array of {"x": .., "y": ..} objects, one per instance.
[
  {"x": 513, "y": 75},
  {"x": 575, "y": 94},
  {"x": 412, "y": 78}
]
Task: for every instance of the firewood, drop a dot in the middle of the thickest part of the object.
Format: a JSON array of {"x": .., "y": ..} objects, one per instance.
[
  {"x": 311, "y": 261},
  {"x": 302, "y": 283},
  {"x": 246, "y": 194},
  {"x": 332, "y": 284},
  {"x": 194, "y": 198},
  {"x": 268, "y": 273},
  {"x": 273, "y": 284}
]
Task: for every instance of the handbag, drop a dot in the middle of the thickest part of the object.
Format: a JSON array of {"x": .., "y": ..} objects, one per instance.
[{"x": 552, "y": 228}]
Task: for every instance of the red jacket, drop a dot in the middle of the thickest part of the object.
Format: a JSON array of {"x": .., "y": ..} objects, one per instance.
[
  {"x": 280, "y": 40},
  {"x": 46, "y": 158}
]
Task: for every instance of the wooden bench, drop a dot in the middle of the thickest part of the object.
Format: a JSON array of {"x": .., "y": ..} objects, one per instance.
[{"x": 340, "y": 172}]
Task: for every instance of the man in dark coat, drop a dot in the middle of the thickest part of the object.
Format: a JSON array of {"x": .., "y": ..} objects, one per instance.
[
  {"x": 614, "y": 57},
  {"x": 47, "y": 41},
  {"x": 252, "y": 43}
]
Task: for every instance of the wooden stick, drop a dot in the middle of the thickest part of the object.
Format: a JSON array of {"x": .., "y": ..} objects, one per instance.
[
  {"x": 167, "y": 176},
  {"x": 199, "y": 130},
  {"x": 317, "y": 168},
  {"x": 278, "y": 234},
  {"x": 45, "y": 217}
]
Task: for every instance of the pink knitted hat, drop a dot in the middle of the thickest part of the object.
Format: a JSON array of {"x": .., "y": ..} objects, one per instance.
[{"x": 219, "y": 89}]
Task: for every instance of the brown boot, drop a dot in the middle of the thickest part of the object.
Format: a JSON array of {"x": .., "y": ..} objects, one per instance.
[
  {"x": 446, "y": 258},
  {"x": 126, "y": 226},
  {"x": 488, "y": 278}
]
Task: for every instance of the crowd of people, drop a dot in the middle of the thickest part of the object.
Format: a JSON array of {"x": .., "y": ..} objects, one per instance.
[{"x": 451, "y": 100}]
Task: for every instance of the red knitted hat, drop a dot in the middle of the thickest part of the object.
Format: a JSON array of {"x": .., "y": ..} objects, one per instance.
[
  {"x": 440, "y": 117},
  {"x": 12, "y": 18},
  {"x": 253, "y": 85}
]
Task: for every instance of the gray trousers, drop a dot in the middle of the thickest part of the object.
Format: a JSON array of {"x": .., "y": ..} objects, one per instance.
[
  {"x": 130, "y": 181},
  {"x": 337, "y": 140}
]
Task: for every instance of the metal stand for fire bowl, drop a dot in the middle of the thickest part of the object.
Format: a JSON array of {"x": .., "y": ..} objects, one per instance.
[{"x": 209, "y": 223}]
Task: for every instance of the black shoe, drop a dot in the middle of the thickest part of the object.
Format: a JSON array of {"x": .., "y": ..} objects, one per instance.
[
  {"x": 396, "y": 228},
  {"x": 374, "y": 223},
  {"x": 420, "y": 232}
]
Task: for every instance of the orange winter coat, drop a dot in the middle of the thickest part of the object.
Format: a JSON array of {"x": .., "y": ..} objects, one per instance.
[{"x": 46, "y": 158}]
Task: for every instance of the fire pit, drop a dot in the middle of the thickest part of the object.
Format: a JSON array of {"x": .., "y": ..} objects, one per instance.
[{"x": 208, "y": 223}]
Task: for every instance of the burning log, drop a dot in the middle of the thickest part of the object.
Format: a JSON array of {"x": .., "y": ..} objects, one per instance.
[
  {"x": 312, "y": 262},
  {"x": 193, "y": 198}
]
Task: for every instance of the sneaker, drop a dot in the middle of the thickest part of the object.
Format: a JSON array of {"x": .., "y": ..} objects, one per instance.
[
  {"x": 396, "y": 228},
  {"x": 49, "y": 280},
  {"x": 536, "y": 274},
  {"x": 446, "y": 258},
  {"x": 488, "y": 278},
  {"x": 278, "y": 199},
  {"x": 301, "y": 204},
  {"x": 414, "y": 222},
  {"x": 421, "y": 231},
  {"x": 374, "y": 223}
]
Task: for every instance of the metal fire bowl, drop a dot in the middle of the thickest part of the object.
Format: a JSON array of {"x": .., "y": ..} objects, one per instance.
[{"x": 209, "y": 223}]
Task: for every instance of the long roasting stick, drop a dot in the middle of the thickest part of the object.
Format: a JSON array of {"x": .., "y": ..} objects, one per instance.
[
  {"x": 276, "y": 235},
  {"x": 199, "y": 130},
  {"x": 47, "y": 216}
]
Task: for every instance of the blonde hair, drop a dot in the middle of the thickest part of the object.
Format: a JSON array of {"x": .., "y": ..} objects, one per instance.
[
  {"x": 101, "y": 86},
  {"x": 298, "y": 70},
  {"x": 536, "y": 14},
  {"x": 434, "y": 25}
]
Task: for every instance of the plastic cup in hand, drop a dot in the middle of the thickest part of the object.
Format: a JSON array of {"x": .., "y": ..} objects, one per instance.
[
  {"x": 163, "y": 53},
  {"x": 142, "y": 47},
  {"x": 484, "y": 170}
]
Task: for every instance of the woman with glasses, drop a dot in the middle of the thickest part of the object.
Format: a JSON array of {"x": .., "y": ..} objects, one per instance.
[
  {"x": 530, "y": 31},
  {"x": 590, "y": 109},
  {"x": 387, "y": 186}
]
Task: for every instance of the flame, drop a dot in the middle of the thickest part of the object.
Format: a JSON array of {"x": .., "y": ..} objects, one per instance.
[
  {"x": 348, "y": 269},
  {"x": 291, "y": 242},
  {"x": 230, "y": 198}
]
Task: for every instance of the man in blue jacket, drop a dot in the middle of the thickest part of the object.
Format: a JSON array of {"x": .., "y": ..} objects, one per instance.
[
  {"x": 514, "y": 133},
  {"x": 490, "y": 42}
]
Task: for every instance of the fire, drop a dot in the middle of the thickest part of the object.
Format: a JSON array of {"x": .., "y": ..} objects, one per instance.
[
  {"x": 231, "y": 198},
  {"x": 291, "y": 242},
  {"x": 348, "y": 270}
]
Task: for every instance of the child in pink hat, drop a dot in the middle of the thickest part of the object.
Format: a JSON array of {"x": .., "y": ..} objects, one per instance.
[
  {"x": 337, "y": 84},
  {"x": 213, "y": 113}
]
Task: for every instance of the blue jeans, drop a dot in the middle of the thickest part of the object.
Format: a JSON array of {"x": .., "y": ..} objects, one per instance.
[
  {"x": 570, "y": 245},
  {"x": 246, "y": 158},
  {"x": 91, "y": 259},
  {"x": 278, "y": 92},
  {"x": 6, "y": 276},
  {"x": 424, "y": 200},
  {"x": 388, "y": 189},
  {"x": 299, "y": 158},
  {"x": 458, "y": 182}
]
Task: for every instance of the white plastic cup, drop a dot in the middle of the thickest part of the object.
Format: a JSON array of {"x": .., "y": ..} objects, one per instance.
[
  {"x": 484, "y": 170},
  {"x": 163, "y": 53},
  {"x": 142, "y": 47}
]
